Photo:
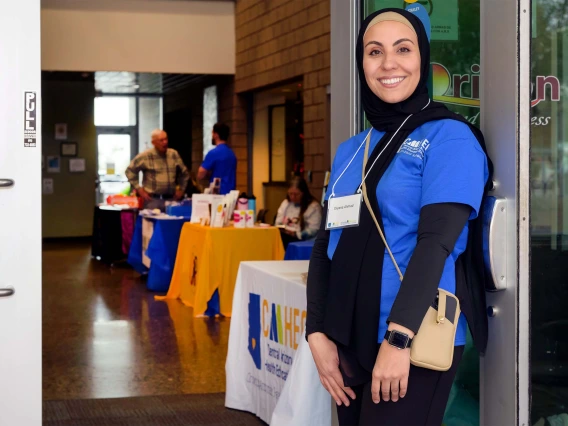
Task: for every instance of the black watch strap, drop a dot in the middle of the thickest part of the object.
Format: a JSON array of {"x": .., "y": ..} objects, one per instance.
[{"x": 397, "y": 339}]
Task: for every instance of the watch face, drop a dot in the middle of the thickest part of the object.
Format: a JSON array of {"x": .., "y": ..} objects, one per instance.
[{"x": 399, "y": 340}]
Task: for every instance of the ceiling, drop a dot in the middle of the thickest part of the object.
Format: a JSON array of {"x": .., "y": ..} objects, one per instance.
[
  {"x": 147, "y": 83},
  {"x": 110, "y": 82}
]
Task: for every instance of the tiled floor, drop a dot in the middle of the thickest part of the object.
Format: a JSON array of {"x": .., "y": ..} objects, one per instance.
[{"x": 104, "y": 336}]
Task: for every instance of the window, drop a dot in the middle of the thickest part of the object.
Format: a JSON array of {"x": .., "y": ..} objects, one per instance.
[
  {"x": 209, "y": 117},
  {"x": 115, "y": 111}
]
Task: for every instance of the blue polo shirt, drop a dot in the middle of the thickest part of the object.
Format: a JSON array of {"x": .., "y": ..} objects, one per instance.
[
  {"x": 222, "y": 163},
  {"x": 440, "y": 162}
]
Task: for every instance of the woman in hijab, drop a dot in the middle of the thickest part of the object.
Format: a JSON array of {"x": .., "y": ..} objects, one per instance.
[{"x": 426, "y": 176}]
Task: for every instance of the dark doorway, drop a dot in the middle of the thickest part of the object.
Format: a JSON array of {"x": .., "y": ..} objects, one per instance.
[{"x": 177, "y": 125}]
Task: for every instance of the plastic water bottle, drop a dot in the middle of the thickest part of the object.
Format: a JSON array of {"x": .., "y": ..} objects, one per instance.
[
  {"x": 252, "y": 204},
  {"x": 242, "y": 203}
]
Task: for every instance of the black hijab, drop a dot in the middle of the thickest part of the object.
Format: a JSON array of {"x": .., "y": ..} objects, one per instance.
[{"x": 352, "y": 313}]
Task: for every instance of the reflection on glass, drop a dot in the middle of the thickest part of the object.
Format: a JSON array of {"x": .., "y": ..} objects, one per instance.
[
  {"x": 549, "y": 213},
  {"x": 454, "y": 52}
]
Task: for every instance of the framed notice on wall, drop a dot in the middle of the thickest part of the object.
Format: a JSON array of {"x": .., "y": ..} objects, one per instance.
[
  {"x": 61, "y": 132},
  {"x": 68, "y": 149},
  {"x": 77, "y": 165},
  {"x": 53, "y": 164}
]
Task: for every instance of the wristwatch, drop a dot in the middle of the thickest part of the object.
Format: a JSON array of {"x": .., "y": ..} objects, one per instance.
[{"x": 397, "y": 339}]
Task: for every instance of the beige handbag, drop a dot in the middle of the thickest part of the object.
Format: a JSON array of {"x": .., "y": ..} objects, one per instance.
[{"x": 433, "y": 346}]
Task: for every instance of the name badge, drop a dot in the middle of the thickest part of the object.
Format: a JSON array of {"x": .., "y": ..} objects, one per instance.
[{"x": 343, "y": 212}]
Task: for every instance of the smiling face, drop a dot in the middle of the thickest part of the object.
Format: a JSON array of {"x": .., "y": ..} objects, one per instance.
[{"x": 391, "y": 61}]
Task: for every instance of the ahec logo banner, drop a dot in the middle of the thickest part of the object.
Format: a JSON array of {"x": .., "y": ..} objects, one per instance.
[
  {"x": 273, "y": 337},
  {"x": 269, "y": 316},
  {"x": 30, "y": 119}
]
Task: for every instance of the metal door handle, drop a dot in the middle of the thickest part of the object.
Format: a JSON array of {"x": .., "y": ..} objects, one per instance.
[
  {"x": 495, "y": 242},
  {"x": 7, "y": 291},
  {"x": 6, "y": 183}
]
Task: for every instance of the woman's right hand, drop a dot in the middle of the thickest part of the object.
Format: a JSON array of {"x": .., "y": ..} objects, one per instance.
[{"x": 324, "y": 352}]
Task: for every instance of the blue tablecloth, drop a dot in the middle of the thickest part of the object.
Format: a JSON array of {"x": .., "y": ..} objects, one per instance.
[
  {"x": 162, "y": 250},
  {"x": 302, "y": 250}
]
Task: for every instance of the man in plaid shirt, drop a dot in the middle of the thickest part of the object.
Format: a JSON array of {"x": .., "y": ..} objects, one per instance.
[{"x": 161, "y": 167}]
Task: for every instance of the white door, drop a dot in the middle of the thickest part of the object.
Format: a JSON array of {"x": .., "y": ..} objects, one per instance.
[{"x": 20, "y": 217}]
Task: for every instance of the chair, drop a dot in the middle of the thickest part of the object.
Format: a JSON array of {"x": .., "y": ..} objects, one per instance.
[{"x": 261, "y": 216}]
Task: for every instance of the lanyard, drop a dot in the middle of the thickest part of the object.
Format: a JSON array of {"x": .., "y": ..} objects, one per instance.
[
  {"x": 366, "y": 142},
  {"x": 378, "y": 156},
  {"x": 350, "y": 161}
]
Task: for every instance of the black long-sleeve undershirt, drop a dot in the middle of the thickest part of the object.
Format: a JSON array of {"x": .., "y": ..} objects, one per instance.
[{"x": 439, "y": 227}]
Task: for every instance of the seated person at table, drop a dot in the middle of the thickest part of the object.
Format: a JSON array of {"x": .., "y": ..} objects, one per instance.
[{"x": 299, "y": 215}]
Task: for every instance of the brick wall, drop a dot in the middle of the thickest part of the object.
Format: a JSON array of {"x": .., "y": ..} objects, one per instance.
[{"x": 281, "y": 40}]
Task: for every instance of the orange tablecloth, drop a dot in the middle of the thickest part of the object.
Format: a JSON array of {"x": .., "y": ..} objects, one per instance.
[{"x": 208, "y": 259}]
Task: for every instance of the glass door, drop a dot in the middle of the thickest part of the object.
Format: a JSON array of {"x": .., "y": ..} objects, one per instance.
[
  {"x": 549, "y": 211},
  {"x": 480, "y": 55},
  {"x": 115, "y": 150},
  {"x": 454, "y": 51},
  {"x": 117, "y": 143}
]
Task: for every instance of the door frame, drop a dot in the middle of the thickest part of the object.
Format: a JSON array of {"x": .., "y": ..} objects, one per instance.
[
  {"x": 271, "y": 109},
  {"x": 505, "y": 117}
]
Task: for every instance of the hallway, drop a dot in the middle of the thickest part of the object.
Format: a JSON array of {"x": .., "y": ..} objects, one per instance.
[{"x": 104, "y": 336}]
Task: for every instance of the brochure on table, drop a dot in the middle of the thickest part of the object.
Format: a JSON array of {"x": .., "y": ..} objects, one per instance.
[{"x": 213, "y": 210}]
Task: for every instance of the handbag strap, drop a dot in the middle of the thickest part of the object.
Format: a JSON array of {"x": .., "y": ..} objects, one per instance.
[
  {"x": 441, "y": 308},
  {"x": 367, "y": 202}
]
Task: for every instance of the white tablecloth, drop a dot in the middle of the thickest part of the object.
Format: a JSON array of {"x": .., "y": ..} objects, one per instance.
[{"x": 269, "y": 361}]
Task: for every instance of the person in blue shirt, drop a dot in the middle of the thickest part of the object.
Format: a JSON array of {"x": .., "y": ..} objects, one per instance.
[
  {"x": 426, "y": 175},
  {"x": 221, "y": 161}
]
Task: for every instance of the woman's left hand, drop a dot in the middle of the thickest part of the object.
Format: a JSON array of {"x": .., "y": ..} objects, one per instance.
[{"x": 390, "y": 374}]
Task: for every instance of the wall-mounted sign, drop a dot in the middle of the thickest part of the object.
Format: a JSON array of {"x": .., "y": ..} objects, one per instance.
[
  {"x": 30, "y": 119},
  {"x": 77, "y": 165},
  {"x": 47, "y": 187},
  {"x": 53, "y": 164},
  {"x": 61, "y": 131}
]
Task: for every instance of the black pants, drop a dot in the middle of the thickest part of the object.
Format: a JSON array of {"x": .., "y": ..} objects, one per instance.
[{"x": 424, "y": 403}]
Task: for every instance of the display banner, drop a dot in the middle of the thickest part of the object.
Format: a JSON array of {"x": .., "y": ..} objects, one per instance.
[{"x": 269, "y": 316}]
